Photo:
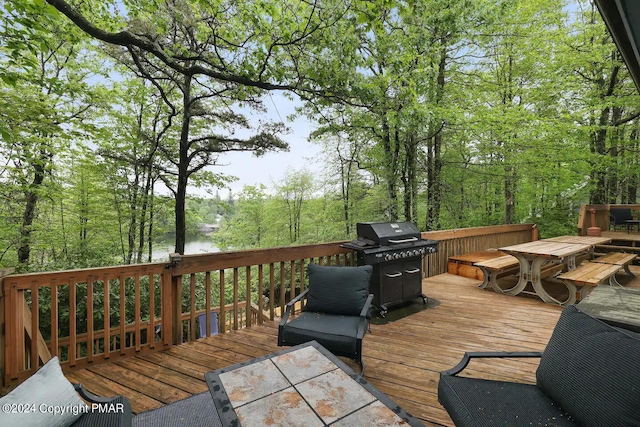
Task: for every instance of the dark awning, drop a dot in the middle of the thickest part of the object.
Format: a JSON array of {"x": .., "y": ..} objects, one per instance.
[{"x": 623, "y": 21}]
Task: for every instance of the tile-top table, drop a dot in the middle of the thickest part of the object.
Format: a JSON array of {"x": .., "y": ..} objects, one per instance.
[
  {"x": 617, "y": 306},
  {"x": 301, "y": 386}
]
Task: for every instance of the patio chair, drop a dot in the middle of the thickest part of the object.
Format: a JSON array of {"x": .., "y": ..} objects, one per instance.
[
  {"x": 202, "y": 324},
  {"x": 197, "y": 410},
  {"x": 618, "y": 217},
  {"x": 587, "y": 376},
  {"x": 336, "y": 313}
]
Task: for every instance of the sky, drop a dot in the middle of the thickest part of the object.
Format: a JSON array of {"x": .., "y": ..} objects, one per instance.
[{"x": 272, "y": 167}]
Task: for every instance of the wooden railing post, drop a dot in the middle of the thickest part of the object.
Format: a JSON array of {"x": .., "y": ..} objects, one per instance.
[
  {"x": 176, "y": 299},
  {"x": 167, "y": 301},
  {"x": 3, "y": 324}
]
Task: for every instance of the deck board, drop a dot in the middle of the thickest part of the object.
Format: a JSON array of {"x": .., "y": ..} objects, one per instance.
[{"x": 403, "y": 358}]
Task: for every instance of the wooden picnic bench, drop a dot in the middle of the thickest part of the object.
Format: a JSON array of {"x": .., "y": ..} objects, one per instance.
[
  {"x": 581, "y": 280},
  {"x": 618, "y": 258},
  {"x": 500, "y": 266},
  {"x": 505, "y": 265}
]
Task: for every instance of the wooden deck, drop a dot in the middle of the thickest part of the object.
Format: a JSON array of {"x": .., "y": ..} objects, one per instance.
[{"x": 403, "y": 358}]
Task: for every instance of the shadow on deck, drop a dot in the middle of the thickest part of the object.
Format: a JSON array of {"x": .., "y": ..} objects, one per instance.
[{"x": 403, "y": 358}]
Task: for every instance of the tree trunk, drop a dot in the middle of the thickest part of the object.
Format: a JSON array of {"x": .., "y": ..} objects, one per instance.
[
  {"x": 31, "y": 201},
  {"x": 183, "y": 170},
  {"x": 598, "y": 148},
  {"x": 434, "y": 149},
  {"x": 390, "y": 170},
  {"x": 599, "y": 142},
  {"x": 143, "y": 214},
  {"x": 509, "y": 195},
  {"x": 614, "y": 191},
  {"x": 150, "y": 234},
  {"x": 346, "y": 187}
]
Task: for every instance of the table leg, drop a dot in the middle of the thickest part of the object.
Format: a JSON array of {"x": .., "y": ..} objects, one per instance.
[
  {"x": 626, "y": 270},
  {"x": 485, "y": 275},
  {"x": 536, "y": 265},
  {"x": 613, "y": 281},
  {"x": 522, "y": 280}
]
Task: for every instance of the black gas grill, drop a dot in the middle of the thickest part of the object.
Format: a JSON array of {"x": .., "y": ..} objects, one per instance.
[{"x": 395, "y": 250}]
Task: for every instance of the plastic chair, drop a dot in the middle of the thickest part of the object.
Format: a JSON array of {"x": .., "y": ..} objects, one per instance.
[{"x": 202, "y": 324}]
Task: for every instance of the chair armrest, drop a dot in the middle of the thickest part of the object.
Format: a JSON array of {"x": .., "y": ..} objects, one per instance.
[
  {"x": 481, "y": 354},
  {"x": 290, "y": 305},
  {"x": 367, "y": 307},
  {"x": 90, "y": 397},
  {"x": 117, "y": 413}
]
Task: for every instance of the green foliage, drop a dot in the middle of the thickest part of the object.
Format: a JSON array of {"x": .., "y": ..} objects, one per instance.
[{"x": 450, "y": 114}]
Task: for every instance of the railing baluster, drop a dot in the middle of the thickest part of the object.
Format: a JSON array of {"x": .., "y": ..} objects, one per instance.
[
  {"x": 137, "y": 312},
  {"x": 54, "y": 317},
  {"x": 107, "y": 316},
  {"x": 72, "y": 322},
  {"x": 272, "y": 291},
  {"x": 90, "y": 343},
  {"x": 151, "y": 334},
  {"x": 302, "y": 275},
  {"x": 282, "y": 290},
  {"x": 35, "y": 329},
  {"x": 123, "y": 318},
  {"x": 248, "y": 298},
  {"x": 223, "y": 302},
  {"x": 192, "y": 307},
  {"x": 235, "y": 298},
  {"x": 260, "y": 291},
  {"x": 292, "y": 290},
  {"x": 207, "y": 301}
]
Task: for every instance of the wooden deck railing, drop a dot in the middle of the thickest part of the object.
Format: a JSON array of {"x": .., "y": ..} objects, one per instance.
[
  {"x": 91, "y": 316},
  {"x": 601, "y": 216},
  {"x": 466, "y": 240}
]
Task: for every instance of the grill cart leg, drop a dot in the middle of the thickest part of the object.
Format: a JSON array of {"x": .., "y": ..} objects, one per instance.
[{"x": 383, "y": 310}]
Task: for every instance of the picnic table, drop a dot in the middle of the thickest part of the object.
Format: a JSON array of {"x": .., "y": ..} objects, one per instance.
[
  {"x": 583, "y": 240},
  {"x": 532, "y": 256}
]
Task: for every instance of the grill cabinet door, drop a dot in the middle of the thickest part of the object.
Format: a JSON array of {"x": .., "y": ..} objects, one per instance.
[
  {"x": 391, "y": 283},
  {"x": 411, "y": 279}
]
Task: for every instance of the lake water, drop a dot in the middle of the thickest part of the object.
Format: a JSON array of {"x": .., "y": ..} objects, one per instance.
[{"x": 161, "y": 250}]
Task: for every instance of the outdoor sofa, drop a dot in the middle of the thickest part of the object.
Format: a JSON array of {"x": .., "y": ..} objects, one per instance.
[
  {"x": 589, "y": 375},
  {"x": 47, "y": 398}
]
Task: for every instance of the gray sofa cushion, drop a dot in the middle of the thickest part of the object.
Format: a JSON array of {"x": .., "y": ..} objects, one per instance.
[
  {"x": 591, "y": 370},
  {"x": 478, "y": 402},
  {"x": 338, "y": 290}
]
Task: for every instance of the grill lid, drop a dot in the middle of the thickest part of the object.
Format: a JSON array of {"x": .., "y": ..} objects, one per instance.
[{"x": 389, "y": 233}]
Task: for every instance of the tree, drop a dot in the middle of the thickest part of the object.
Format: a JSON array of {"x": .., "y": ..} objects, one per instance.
[{"x": 43, "y": 109}]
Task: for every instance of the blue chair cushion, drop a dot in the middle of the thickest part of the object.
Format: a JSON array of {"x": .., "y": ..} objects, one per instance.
[
  {"x": 338, "y": 290},
  {"x": 337, "y": 334},
  {"x": 590, "y": 369}
]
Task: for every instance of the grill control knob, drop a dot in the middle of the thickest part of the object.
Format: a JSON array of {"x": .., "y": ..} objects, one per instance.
[
  {"x": 396, "y": 255},
  {"x": 415, "y": 252},
  {"x": 422, "y": 251},
  {"x": 388, "y": 257},
  {"x": 404, "y": 254}
]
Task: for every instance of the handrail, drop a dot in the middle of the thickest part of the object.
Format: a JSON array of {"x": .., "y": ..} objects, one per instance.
[
  {"x": 68, "y": 308},
  {"x": 466, "y": 240}
]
